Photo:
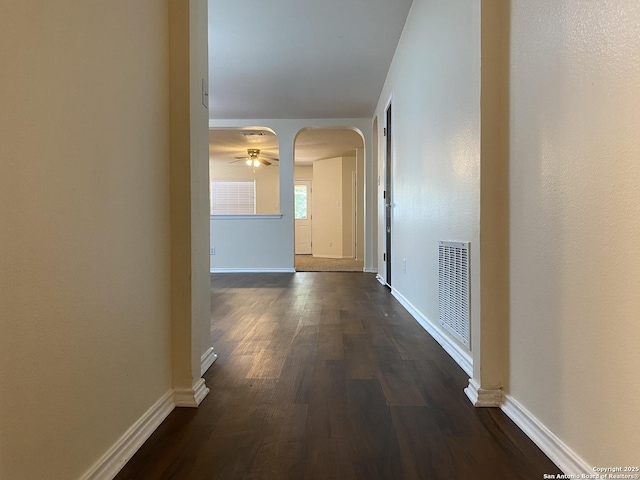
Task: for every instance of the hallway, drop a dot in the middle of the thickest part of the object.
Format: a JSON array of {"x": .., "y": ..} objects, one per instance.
[{"x": 326, "y": 376}]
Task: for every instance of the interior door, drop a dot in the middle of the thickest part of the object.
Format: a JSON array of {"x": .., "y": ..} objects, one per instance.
[
  {"x": 302, "y": 211},
  {"x": 388, "y": 197}
]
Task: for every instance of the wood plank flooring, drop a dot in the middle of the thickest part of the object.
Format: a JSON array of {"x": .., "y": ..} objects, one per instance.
[{"x": 326, "y": 376}]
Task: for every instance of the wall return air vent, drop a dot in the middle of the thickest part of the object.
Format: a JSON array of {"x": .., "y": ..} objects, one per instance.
[{"x": 453, "y": 289}]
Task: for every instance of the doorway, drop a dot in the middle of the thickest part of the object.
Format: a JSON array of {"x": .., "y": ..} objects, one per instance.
[{"x": 302, "y": 216}]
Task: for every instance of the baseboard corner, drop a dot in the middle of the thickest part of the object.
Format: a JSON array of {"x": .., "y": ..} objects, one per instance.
[
  {"x": 482, "y": 397},
  {"x": 191, "y": 397}
]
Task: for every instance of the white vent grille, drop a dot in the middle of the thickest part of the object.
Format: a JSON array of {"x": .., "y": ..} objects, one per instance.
[{"x": 453, "y": 288}]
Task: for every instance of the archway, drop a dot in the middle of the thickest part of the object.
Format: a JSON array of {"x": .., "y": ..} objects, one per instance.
[{"x": 329, "y": 199}]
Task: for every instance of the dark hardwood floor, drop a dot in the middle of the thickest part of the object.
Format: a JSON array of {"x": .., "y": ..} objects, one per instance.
[{"x": 326, "y": 376}]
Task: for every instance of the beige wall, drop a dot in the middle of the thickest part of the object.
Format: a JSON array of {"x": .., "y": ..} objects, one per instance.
[
  {"x": 303, "y": 172},
  {"x": 332, "y": 210},
  {"x": 575, "y": 210},
  {"x": 348, "y": 166},
  {"x": 84, "y": 236},
  {"x": 327, "y": 207},
  {"x": 360, "y": 199},
  {"x": 267, "y": 183}
]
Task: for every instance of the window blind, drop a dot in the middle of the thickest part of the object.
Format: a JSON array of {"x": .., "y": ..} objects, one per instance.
[{"x": 233, "y": 197}]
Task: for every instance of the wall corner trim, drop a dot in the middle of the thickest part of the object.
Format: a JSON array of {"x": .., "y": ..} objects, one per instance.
[
  {"x": 191, "y": 397},
  {"x": 566, "y": 459},
  {"x": 119, "y": 454},
  {"x": 462, "y": 358},
  {"x": 380, "y": 279},
  {"x": 482, "y": 397},
  {"x": 207, "y": 360}
]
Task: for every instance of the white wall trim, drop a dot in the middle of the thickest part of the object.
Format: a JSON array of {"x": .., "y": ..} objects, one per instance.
[
  {"x": 370, "y": 270},
  {"x": 329, "y": 256},
  {"x": 119, "y": 454},
  {"x": 252, "y": 270},
  {"x": 462, "y": 358},
  {"x": 207, "y": 359},
  {"x": 482, "y": 397},
  {"x": 253, "y": 216},
  {"x": 380, "y": 279},
  {"x": 190, "y": 397},
  {"x": 566, "y": 459}
]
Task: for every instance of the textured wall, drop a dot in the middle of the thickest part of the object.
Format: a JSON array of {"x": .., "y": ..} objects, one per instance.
[
  {"x": 575, "y": 210},
  {"x": 435, "y": 83},
  {"x": 84, "y": 233}
]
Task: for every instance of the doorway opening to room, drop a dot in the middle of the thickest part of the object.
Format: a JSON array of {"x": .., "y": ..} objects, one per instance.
[{"x": 329, "y": 200}]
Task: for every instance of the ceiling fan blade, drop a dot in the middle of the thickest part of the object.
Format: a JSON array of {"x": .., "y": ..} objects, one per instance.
[
  {"x": 236, "y": 161},
  {"x": 264, "y": 161},
  {"x": 242, "y": 158},
  {"x": 272, "y": 159}
]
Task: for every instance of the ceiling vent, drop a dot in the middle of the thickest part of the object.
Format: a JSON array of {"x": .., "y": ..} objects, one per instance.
[
  {"x": 253, "y": 134},
  {"x": 453, "y": 289}
]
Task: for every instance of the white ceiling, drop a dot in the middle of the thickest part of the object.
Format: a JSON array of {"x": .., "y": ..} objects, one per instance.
[
  {"x": 300, "y": 58},
  {"x": 225, "y": 145}
]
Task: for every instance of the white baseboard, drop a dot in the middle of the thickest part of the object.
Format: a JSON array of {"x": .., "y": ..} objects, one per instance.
[
  {"x": 369, "y": 270},
  {"x": 190, "y": 397},
  {"x": 330, "y": 256},
  {"x": 566, "y": 459},
  {"x": 121, "y": 452},
  {"x": 456, "y": 352},
  {"x": 207, "y": 360},
  {"x": 482, "y": 397},
  {"x": 252, "y": 270},
  {"x": 381, "y": 280}
]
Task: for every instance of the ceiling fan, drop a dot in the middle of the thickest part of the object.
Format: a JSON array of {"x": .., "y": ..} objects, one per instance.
[{"x": 254, "y": 160}]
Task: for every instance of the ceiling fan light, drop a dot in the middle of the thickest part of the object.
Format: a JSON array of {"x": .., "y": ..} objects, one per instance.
[
  {"x": 256, "y": 163},
  {"x": 249, "y": 162}
]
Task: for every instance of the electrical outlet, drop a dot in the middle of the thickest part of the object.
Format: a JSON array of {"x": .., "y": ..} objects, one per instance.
[
  {"x": 404, "y": 265},
  {"x": 212, "y": 250}
]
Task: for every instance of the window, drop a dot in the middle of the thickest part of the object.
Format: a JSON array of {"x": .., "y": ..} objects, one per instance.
[
  {"x": 300, "y": 193},
  {"x": 233, "y": 197}
]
